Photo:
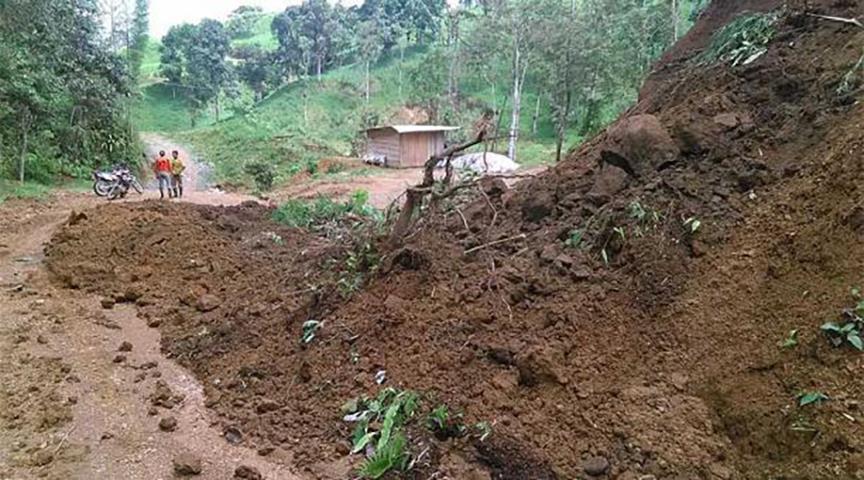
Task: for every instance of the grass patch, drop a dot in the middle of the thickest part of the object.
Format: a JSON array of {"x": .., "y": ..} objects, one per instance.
[
  {"x": 163, "y": 108},
  {"x": 10, "y": 189},
  {"x": 150, "y": 63},
  {"x": 262, "y": 35},
  {"x": 323, "y": 210}
]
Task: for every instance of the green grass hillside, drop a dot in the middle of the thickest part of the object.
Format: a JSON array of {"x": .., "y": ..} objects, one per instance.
[
  {"x": 150, "y": 63},
  {"x": 262, "y": 36},
  {"x": 310, "y": 119}
]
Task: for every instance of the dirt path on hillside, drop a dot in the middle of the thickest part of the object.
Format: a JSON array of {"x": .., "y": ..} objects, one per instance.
[
  {"x": 72, "y": 405},
  {"x": 197, "y": 178}
]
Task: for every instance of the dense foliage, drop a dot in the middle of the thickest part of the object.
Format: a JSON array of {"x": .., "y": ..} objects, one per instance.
[{"x": 63, "y": 93}]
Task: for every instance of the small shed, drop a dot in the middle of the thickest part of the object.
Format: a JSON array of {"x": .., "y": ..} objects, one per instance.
[{"x": 404, "y": 146}]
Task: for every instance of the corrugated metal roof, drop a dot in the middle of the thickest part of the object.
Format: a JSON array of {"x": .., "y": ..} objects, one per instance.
[{"x": 415, "y": 128}]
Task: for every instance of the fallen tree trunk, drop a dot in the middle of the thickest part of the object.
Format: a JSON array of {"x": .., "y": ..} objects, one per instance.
[{"x": 414, "y": 196}]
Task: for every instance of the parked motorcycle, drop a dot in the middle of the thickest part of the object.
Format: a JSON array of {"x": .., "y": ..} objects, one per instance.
[{"x": 115, "y": 183}]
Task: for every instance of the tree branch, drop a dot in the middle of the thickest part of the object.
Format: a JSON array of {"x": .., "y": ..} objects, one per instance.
[{"x": 850, "y": 21}]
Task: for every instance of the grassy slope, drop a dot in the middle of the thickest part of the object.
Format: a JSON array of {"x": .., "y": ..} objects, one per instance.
[{"x": 311, "y": 119}]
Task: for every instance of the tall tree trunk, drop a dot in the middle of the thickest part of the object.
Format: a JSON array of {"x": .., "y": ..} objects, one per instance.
[
  {"x": 561, "y": 127},
  {"x": 318, "y": 66},
  {"x": 401, "y": 65},
  {"x": 216, "y": 106},
  {"x": 536, "y": 116},
  {"x": 367, "y": 83},
  {"x": 25, "y": 137},
  {"x": 453, "y": 74},
  {"x": 674, "y": 21},
  {"x": 519, "y": 72}
]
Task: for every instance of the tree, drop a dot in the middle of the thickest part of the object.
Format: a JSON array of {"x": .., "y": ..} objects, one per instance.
[
  {"x": 207, "y": 69},
  {"x": 316, "y": 28},
  {"x": 118, "y": 23},
  {"x": 62, "y": 92},
  {"x": 138, "y": 36},
  {"x": 292, "y": 52},
  {"x": 242, "y": 21},
  {"x": 257, "y": 71},
  {"x": 371, "y": 44},
  {"x": 175, "y": 47},
  {"x": 510, "y": 34}
]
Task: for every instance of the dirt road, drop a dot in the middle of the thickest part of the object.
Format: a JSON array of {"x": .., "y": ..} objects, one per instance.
[
  {"x": 77, "y": 379},
  {"x": 80, "y": 377}
]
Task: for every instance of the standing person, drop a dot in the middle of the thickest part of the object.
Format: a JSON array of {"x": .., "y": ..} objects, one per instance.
[
  {"x": 162, "y": 169},
  {"x": 177, "y": 169}
]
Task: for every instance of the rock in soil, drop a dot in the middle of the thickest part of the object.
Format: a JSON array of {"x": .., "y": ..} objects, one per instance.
[
  {"x": 207, "y": 303},
  {"x": 596, "y": 466},
  {"x": 42, "y": 458},
  {"x": 125, "y": 347},
  {"x": 119, "y": 358},
  {"x": 187, "y": 464},
  {"x": 248, "y": 473},
  {"x": 168, "y": 424},
  {"x": 108, "y": 303}
]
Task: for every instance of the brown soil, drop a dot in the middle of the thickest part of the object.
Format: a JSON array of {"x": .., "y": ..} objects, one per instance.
[{"x": 661, "y": 360}]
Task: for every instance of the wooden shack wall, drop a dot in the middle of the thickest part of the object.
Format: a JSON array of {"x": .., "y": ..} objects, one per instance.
[
  {"x": 418, "y": 147},
  {"x": 386, "y": 142}
]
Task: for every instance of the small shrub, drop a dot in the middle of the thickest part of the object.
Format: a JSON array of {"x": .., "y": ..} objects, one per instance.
[
  {"x": 310, "y": 329},
  {"x": 393, "y": 456},
  {"x": 262, "y": 174},
  {"x": 645, "y": 217},
  {"x": 335, "y": 167},
  {"x": 791, "y": 340},
  {"x": 575, "y": 239},
  {"x": 849, "y": 330},
  {"x": 851, "y": 79},
  {"x": 360, "y": 262},
  {"x": 380, "y": 422},
  {"x": 444, "y": 424},
  {"x": 309, "y": 213},
  {"x": 742, "y": 40},
  {"x": 810, "y": 398},
  {"x": 311, "y": 166},
  {"x": 692, "y": 225}
]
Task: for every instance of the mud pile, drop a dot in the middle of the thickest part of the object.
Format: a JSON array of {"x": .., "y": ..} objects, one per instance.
[{"x": 617, "y": 317}]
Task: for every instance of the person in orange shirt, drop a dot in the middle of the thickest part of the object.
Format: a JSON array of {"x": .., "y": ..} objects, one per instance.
[{"x": 162, "y": 169}]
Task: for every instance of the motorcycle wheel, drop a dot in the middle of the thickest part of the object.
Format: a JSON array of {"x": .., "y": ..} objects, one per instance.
[
  {"x": 101, "y": 189},
  {"x": 116, "y": 192},
  {"x": 137, "y": 186}
]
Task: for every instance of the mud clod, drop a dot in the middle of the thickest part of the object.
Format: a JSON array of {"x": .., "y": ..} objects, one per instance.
[
  {"x": 42, "y": 458},
  {"x": 187, "y": 464},
  {"x": 168, "y": 424},
  {"x": 248, "y": 473},
  {"x": 107, "y": 303},
  {"x": 125, "y": 347},
  {"x": 162, "y": 395}
]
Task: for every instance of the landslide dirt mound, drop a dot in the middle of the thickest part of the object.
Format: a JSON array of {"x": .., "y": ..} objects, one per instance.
[{"x": 618, "y": 316}]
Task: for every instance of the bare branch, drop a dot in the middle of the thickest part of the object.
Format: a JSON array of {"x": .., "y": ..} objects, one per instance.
[
  {"x": 850, "y": 21},
  {"x": 496, "y": 242}
]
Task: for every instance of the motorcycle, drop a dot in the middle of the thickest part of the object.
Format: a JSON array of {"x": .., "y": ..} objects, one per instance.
[{"x": 116, "y": 183}]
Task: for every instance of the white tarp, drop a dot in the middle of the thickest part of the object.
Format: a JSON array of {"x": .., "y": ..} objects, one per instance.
[{"x": 485, "y": 163}]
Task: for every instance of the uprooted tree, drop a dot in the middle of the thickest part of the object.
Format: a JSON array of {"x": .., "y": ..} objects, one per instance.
[{"x": 415, "y": 195}]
